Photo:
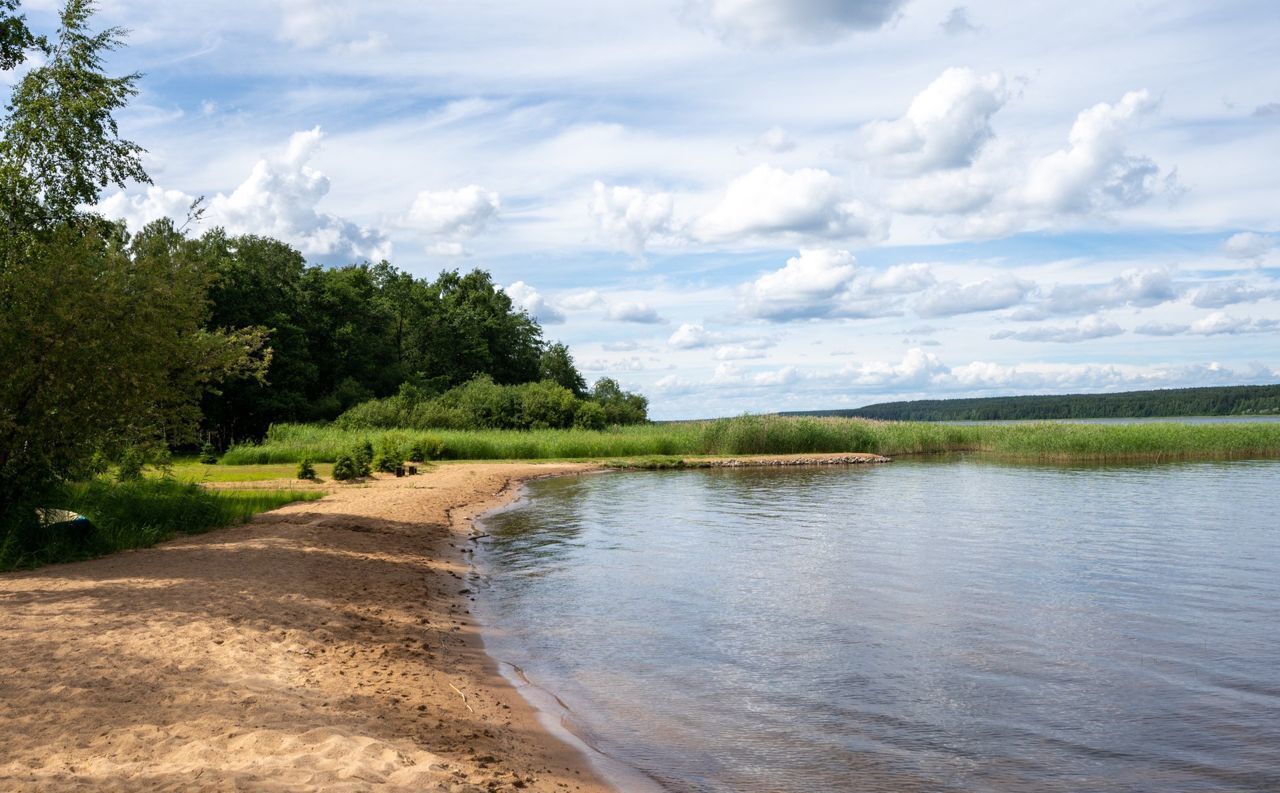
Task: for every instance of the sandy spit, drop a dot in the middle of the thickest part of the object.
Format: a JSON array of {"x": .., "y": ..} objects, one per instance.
[{"x": 325, "y": 646}]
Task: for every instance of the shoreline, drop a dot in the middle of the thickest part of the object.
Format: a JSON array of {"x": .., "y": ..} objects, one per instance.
[
  {"x": 327, "y": 645},
  {"x": 552, "y": 713}
]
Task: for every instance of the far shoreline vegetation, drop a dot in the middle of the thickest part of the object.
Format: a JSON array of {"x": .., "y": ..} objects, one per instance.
[{"x": 1242, "y": 400}]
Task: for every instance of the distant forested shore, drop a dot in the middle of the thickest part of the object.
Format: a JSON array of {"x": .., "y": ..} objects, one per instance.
[{"x": 1246, "y": 400}]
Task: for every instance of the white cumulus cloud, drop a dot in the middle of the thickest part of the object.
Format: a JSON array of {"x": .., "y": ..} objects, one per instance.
[
  {"x": 806, "y": 203},
  {"x": 531, "y": 301},
  {"x": 278, "y": 199},
  {"x": 139, "y": 210},
  {"x": 693, "y": 336},
  {"x": 946, "y": 125},
  {"x": 632, "y": 216},
  {"x": 809, "y": 285},
  {"x": 454, "y": 213},
  {"x": 917, "y": 369},
  {"x": 1095, "y": 170}
]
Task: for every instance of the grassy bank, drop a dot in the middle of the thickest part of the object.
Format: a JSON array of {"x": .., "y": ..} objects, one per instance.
[
  {"x": 289, "y": 443},
  {"x": 133, "y": 515}
]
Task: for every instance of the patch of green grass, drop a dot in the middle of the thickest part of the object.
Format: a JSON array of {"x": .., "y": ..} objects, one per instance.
[
  {"x": 197, "y": 472},
  {"x": 289, "y": 443},
  {"x": 132, "y": 515}
]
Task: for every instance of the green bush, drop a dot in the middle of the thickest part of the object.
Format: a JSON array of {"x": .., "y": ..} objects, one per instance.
[
  {"x": 386, "y": 464},
  {"x": 345, "y": 469},
  {"x": 306, "y": 470},
  {"x": 363, "y": 458},
  {"x": 373, "y": 414},
  {"x": 545, "y": 406},
  {"x": 590, "y": 416},
  {"x": 620, "y": 407},
  {"x": 208, "y": 454},
  {"x": 131, "y": 463},
  {"x": 484, "y": 404}
]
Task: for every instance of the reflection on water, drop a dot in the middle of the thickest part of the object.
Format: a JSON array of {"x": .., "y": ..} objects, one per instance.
[{"x": 917, "y": 626}]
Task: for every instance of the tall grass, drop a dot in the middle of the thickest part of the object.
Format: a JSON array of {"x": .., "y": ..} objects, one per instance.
[
  {"x": 289, "y": 443},
  {"x": 130, "y": 515}
]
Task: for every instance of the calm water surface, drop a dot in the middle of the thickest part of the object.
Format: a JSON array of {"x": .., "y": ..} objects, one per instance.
[{"x": 917, "y": 626}]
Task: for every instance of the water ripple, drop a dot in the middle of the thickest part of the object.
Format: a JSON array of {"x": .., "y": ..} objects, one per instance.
[{"x": 943, "y": 627}]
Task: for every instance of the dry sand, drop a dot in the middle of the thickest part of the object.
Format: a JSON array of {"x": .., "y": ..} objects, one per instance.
[{"x": 321, "y": 647}]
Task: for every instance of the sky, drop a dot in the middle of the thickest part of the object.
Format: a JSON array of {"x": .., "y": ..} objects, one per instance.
[{"x": 756, "y": 205}]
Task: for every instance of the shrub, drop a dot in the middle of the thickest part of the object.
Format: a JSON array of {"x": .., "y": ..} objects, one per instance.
[
  {"x": 208, "y": 454},
  {"x": 386, "y": 463},
  {"x": 306, "y": 470},
  {"x": 545, "y": 406},
  {"x": 363, "y": 458},
  {"x": 344, "y": 468},
  {"x": 484, "y": 404},
  {"x": 131, "y": 463},
  {"x": 373, "y": 414},
  {"x": 620, "y": 407},
  {"x": 589, "y": 416}
]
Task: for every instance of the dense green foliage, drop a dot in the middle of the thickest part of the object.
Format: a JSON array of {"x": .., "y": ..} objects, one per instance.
[
  {"x": 103, "y": 339},
  {"x": 557, "y": 366},
  {"x": 484, "y": 404},
  {"x": 134, "y": 515},
  {"x": 15, "y": 38},
  {"x": 1250, "y": 400},
  {"x": 779, "y": 435},
  {"x": 340, "y": 336}
]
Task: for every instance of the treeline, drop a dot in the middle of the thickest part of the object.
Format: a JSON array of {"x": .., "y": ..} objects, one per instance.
[
  {"x": 1258, "y": 400},
  {"x": 340, "y": 337},
  {"x": 484, "y": 404}
]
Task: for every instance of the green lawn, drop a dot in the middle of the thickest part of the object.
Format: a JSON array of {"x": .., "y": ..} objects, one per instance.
[{"x": 197, "y": 472}]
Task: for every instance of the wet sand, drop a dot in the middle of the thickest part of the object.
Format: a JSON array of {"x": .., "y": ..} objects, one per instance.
[{"x": 324, "y": 646}]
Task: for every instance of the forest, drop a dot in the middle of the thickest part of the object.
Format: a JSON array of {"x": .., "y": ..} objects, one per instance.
[{"x": 1252, "y": 400}]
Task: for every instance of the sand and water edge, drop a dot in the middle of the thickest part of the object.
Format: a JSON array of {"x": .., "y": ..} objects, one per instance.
[{"x": 327, "y": 645}]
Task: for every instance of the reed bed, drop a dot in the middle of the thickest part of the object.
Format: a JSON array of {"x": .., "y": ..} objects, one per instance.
[{"x": 1044, "y": 441}]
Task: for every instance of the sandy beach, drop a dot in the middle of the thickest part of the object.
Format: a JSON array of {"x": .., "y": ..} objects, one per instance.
[
  {"x": 327, "y": 645},
  {"x": 323, "y": 646}
]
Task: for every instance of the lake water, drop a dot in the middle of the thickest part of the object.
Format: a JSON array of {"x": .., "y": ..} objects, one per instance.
[{"x": 917, "y": 626}]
